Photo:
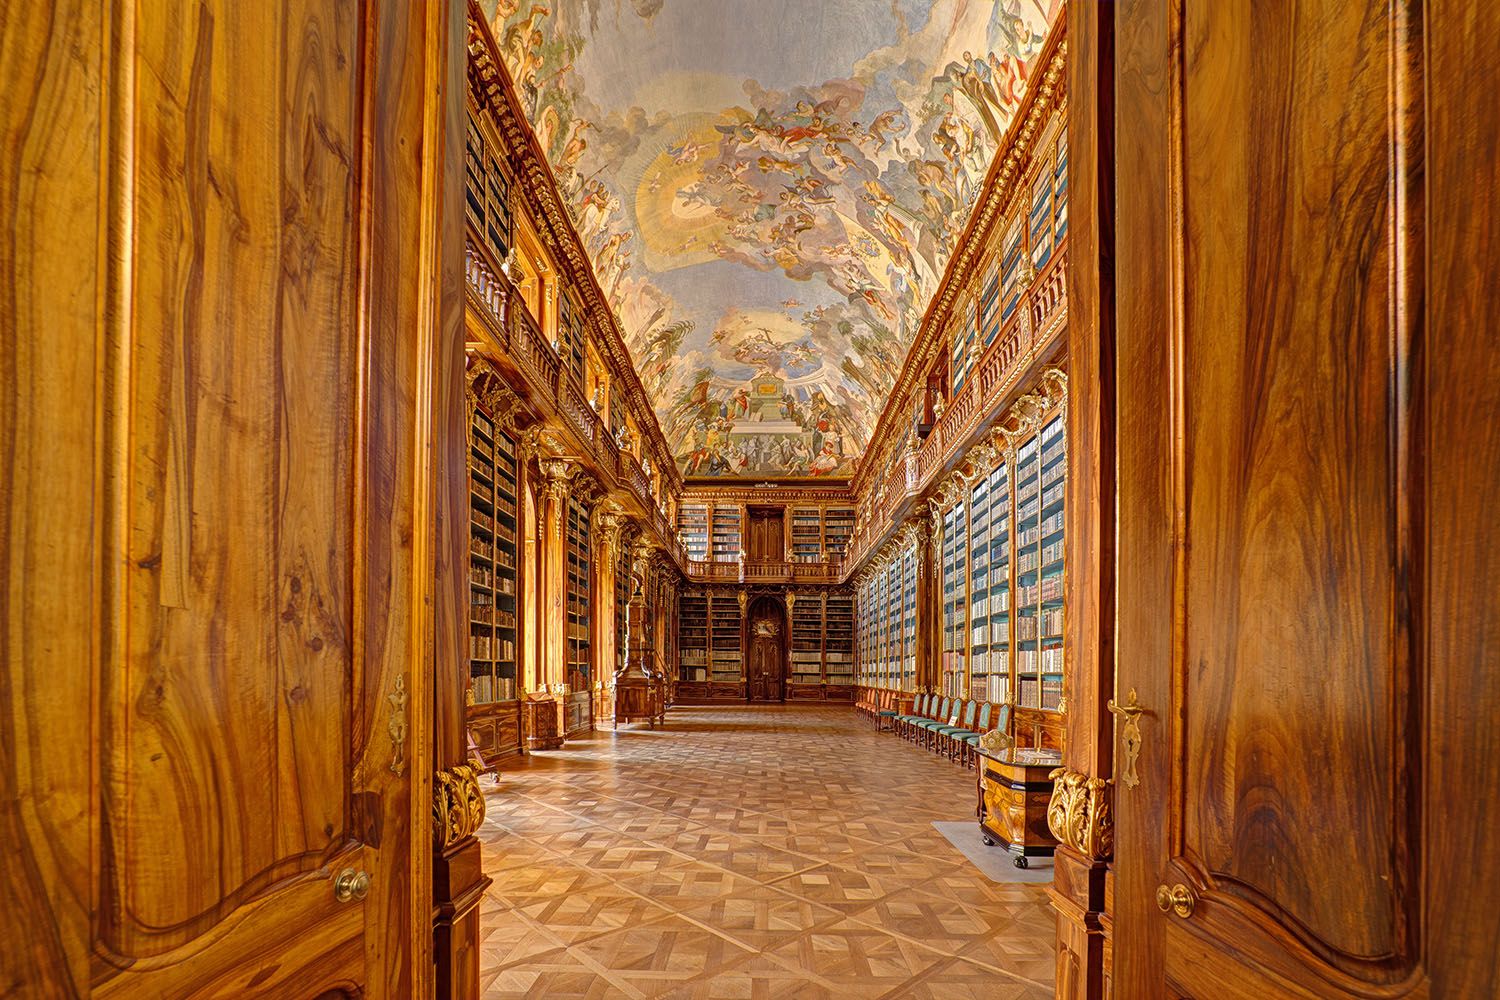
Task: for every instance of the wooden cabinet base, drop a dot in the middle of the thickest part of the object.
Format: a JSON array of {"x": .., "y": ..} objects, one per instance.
[
  {"x": 458, "y": 884},
  {"x": 1079, "y": 895},
  {"x": 1013, "y": 800},
  {"x": 542, "y": 729}
]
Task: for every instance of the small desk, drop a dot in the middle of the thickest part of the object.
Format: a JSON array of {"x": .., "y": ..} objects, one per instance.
[{"x": 1014, "y": 790}]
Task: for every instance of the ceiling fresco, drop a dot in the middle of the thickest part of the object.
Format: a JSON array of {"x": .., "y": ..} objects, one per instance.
[{"x": 769, "y": 190}]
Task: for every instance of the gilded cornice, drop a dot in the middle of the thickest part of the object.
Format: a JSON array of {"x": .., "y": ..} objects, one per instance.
[
  {"x": 1001, "y": 186},
  {"x": 492, "y": 87},
  {"x": 766, "y": 494}
]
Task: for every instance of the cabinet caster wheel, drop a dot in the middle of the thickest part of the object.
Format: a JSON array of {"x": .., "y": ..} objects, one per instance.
[
  {"x": 1021, "y": 862},
  {"x": 988, "y": 841}
]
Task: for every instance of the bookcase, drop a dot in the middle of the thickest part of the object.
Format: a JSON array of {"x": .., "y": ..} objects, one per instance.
[
  {"x": 955, "y": 554},
  {"x": 726, "y": 661},
  {"x": 805, "y": 671},
  {"x": 692, "y": 521},
  {"x": 570, "y": 336},
  {"x": 997, "y": 603},
  {"x": 492, "y": 562},
  {"x": 692, "y": 638},
  {"x": 894, "y": 636},
  {"x": 726, "y": 532},
  {"x": 578, "y": 652},
  {"x": 838, "y": 645},
  {"x": 1005, "y": 614},
  {"x": 622, "y": 607},
  {"x": 838, "y": 528},
  {"x": 908, "y": 678},
  {"x": 807, "y": 534},
  {"x": 819, "y": 533},
  {"x": 494, "y": 711}
]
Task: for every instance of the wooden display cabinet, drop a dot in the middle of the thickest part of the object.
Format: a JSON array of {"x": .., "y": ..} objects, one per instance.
[{"x": 1014, "y": 789}]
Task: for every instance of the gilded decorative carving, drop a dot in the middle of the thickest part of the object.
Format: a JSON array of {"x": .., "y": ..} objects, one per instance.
[
  {"x": 996, "y": 741},
  {"x": 557, "y": 475},
  {"x": 396, "y": 727},
  {"x": 457, "y": 805},
  {"x": 1080, "y": 815}
]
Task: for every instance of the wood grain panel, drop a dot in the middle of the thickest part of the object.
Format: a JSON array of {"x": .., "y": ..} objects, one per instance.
[
  {"x": 54, "y": 118},
  {"x": 1293, "y": 651},
  {"x": 1461, "y": 440},
  {"x": 238, "y": 485}
]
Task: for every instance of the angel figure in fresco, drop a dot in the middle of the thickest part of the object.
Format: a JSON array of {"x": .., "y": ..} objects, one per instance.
[
  {"x": 825, "y": 463},
  {"x": 887, "y": 123}
]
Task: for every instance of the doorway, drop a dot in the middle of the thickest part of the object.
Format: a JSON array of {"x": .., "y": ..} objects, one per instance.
[
  {"x": 767, "y": 662},
  {"x": 767, "y": 534}
]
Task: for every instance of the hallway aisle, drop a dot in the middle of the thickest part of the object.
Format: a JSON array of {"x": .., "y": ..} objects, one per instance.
[{"x": 748, "y": 852}]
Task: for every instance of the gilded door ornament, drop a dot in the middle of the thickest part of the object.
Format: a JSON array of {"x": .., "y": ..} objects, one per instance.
[
  {"x": 1079, "y": 813},
  {"x": 1130, "y": 734},
  {"x": 457, "y": 805},
  {"x": 397, "y": 725}
]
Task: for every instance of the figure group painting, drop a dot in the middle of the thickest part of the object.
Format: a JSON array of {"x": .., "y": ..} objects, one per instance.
[{"x": 769, "y": 192}]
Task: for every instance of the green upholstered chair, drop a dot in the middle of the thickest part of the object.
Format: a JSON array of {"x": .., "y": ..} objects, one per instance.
[
  {"x": 969, "y": 742},
  {"x": 946, "y": 736},
  {"x": 886, "y": 710},
  {"x": 929, "y": 718},
  {"x": 946, "y": 710},
  {"x": 905, "y": 723}
]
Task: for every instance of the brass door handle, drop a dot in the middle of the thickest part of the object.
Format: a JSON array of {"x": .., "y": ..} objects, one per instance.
[
  {"x": 351, "y": 886},
  {"x": 1178, "y": 899},
  {"x": 1130, "y": 712}
]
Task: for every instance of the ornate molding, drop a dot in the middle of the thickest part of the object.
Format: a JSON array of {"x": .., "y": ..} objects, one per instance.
[
  {"x": 1080, "y": 814},
  {"x": 457, "y": 805}
]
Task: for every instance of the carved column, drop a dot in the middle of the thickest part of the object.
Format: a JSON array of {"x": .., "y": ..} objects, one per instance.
[
  {"x": 930, "y": 602},
  {"x": 544, "y": 707},
  {"x": 610, "y": 526}
]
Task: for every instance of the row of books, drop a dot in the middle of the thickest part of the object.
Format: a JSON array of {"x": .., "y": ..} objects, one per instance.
[
  {"x": 483, "y": 647},
  {"x": 487, "y": 689}
]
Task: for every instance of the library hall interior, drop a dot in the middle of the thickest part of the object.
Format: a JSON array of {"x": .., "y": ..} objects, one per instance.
[{"x": 728, "y": 500}]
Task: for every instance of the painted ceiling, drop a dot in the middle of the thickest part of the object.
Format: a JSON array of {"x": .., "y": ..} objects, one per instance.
[{"x": 769, "y": 191}]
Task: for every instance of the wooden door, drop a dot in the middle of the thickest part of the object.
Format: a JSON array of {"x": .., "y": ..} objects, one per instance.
[
  {"x": 767, "y": 535},
  {"x": 767, "y": 671},
  {"x": 1305, "y": 431},
  {"x": 220, "y": 353}
]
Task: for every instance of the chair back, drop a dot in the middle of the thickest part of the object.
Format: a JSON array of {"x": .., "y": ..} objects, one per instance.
[
  {"x": 984, "y": 718},
  {"x": 1002, "y": 723},
  {"x": 969, "y": 715},
  {"x": 947, "y": 708},
  {"x": 921, "y": 708}
]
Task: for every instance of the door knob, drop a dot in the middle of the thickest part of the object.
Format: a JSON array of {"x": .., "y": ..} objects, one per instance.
[
  {"x": 1178, "y": 899},
  {"x": 350, "y": 885}
]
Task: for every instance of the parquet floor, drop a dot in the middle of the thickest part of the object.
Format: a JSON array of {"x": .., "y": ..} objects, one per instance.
[{"x": 748, "y": 852}]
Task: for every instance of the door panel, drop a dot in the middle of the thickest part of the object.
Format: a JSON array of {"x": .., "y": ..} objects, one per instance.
[
  {"x": 217, "y": 550},
  {"x": 1266, "y": 350}
]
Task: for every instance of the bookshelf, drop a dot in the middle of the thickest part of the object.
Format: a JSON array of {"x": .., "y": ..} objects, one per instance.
[
  {"x": 725, "y": 536},
  {"x": 908, "y": 679},
  {"x": 998, "y": 603},
  {"x": 954, "y": 578},
  {"x": 577, "y": 646},
  {"x": 979, "y": 587},
  {"x": 622, "y": 607},
  {"x": 806, "y": 667},
  {"x": 838, "y": 642},
  {"x": 807, "y": 534},
  {"x": 894, "y": 636},
  {"x": 570, "y": 336},
  {"x": 838, "y": 528},
  {"x": 692, "y": 521},
  {"x": 726, "y": 620},
  {"x": 692, "y": 638},
  {"x": 492, "y": 562}
]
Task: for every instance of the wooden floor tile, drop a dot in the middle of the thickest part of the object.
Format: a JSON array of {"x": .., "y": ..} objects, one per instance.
[{"x": 748, "y": 853}]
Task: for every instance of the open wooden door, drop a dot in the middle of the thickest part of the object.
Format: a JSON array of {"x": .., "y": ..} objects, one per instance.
[
  {"x": 1308, "y": 413},
  {"x": 220, "y": 343}
]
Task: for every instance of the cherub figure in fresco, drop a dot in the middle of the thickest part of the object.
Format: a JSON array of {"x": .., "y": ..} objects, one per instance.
[
  {"x": 825, "y": 463},
  {"x": 887, "y": 123}
]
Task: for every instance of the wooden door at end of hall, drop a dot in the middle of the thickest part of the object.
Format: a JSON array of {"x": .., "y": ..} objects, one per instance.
[
  {"x": 216, "y": 694},
  {"x": 767, "y": 663},
  {"x": 1307, "y": 430}
]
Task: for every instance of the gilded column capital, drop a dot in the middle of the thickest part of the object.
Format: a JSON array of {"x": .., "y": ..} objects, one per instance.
[
  {"x": 557, "y": 475},
  {"x": 457, "y": 805},
  {"x": 1080, "y": 814}
]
